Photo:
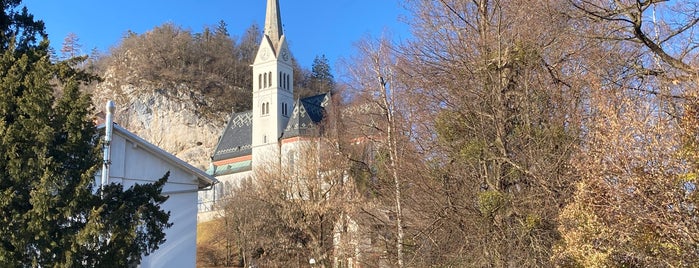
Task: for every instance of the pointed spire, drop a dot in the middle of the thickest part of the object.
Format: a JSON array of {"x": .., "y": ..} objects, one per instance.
[{"x": 273, "y": 22}]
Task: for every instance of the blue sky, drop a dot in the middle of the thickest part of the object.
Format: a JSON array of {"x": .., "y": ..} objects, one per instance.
[{"x": 313, "y": 27}]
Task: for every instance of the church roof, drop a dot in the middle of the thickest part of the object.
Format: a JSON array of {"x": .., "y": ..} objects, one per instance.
[
  {"x": 237, "y": 137},
  {"x": 308, "y": 112}
]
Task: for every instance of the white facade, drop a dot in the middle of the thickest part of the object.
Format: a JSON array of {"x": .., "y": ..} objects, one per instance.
[
  {"x": 135, "y": 161},
  {"x": 209, "y": 201}
]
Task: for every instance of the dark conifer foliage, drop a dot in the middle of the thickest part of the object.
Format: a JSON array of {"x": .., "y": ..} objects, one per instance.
[{"x": 50, "y": 215}]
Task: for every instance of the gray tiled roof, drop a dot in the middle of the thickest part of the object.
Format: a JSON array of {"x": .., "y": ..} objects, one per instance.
[
  {"x": 237, "y": 137},
  {"x": 236, "y": 140},
  {"x": 308, "y": 112}
]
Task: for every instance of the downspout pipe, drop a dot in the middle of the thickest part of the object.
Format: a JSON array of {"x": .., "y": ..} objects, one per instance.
[{"x": 108, "y": 128}]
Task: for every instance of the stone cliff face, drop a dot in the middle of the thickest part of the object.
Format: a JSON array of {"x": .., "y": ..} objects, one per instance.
[{"x": 166, "y": 117}]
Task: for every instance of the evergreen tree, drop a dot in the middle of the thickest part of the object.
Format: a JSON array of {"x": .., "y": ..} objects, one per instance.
[
  {"x": 222, "y": 29},
  {"x": 49, "y": 213},
  {"x": 322, "y": 79},
  {"x": 312, "y": 82},
  {"x": 19, "y": 26}
]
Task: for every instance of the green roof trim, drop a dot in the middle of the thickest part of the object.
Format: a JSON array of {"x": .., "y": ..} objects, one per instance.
[{"x": 230, "y": 168}]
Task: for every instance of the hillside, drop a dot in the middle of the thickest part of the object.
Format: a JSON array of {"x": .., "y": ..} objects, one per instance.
[
  {"x": 168, "y": 121},
  {"x": 176, "y": 88}
]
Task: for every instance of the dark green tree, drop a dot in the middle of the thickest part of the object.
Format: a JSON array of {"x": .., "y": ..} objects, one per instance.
[
  {"x": 317, "y": 80},
  {"x": 321, "y": 79},
  {"x": 222, "y": 29},
  {"x": 50, "y": 214},
  {"x": 321, "y": 69},
  {"x": 19, "y": 26}
]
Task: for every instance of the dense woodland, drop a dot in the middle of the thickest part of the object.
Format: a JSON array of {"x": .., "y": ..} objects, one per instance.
[{"x": 502, "y": 134}]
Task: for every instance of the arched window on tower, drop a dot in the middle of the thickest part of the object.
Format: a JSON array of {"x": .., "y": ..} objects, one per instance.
[
  {"x": 265, "y": 79},
  {"x": 259, "y": 82},
  {"x": 286, "y": 78},
  {"x": 270, "y": 79},
  {"x": 280, "y": 80}
]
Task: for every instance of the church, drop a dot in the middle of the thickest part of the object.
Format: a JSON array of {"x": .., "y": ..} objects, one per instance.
[
  {"x": 289, "y": 135},
  {"x": 277, "y": 123}
]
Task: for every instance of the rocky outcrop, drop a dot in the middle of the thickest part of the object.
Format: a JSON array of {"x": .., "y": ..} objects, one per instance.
[{"x": 166, "y": 117}]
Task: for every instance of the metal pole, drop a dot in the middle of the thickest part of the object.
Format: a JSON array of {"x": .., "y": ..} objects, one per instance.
[{"x": 108, "y": 127}]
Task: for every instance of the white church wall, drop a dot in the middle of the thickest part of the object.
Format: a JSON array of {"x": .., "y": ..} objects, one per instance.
[
  {"x": 265, "y": 156},
  {"x": 209, "y": 201}
]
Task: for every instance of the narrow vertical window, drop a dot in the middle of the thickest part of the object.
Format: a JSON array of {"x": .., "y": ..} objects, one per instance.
[
  {"x": 259, "y": 82},
  {"x": 270, "y": 79},
  {"x": 280, "y": 79},
  {"x": 265, "y": 79},
  {"x": 287, "y": 81}
]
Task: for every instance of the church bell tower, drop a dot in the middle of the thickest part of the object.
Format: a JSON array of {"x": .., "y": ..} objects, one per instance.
[{"x": 273, "y": 89}]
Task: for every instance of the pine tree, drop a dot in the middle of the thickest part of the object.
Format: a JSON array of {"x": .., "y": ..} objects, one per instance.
[
  {"x": 222, "y": 29},
  {"x": 49, "y": 213},
  {"x": 321, "y": 78}
]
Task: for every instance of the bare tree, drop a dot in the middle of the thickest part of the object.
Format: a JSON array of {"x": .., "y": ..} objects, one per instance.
[
  {"x": 287, "y": 215},
  {"x": 382, "y": 119},
  {"x": 494, "y": 86},
  {"x": 71, "y": 47},
  {"x": 666, "y": 30},
  {"x": 635, "y": 203}
]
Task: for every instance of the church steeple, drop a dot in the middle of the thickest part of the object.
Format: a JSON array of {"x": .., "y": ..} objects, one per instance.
[
  {"x": 273, "y": 23},
  {"x": 273, "y": 88}
]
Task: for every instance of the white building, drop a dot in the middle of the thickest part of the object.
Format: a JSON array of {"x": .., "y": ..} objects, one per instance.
[
  {"x": 276, "y": 125},
  {"x": 136, "y": 161}
]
